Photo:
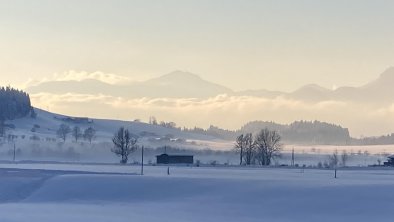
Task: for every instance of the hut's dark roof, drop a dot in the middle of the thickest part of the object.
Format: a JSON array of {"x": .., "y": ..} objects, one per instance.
[{"x": 175, "y": 155}]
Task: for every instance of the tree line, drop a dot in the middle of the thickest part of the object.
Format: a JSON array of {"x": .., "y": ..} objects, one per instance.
[{"x": 301, "y": 132}]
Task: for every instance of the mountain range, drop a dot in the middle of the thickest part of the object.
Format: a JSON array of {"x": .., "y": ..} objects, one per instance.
[
  {"x": 173, "y": 85},
  {"x": 378, "y": 91},
  {"x": 179, "y": 84}
]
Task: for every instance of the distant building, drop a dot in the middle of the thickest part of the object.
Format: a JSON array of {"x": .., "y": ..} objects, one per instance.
[
  {"x": 174, "y": 159},
  {"x": 390, "y": 161},
  {"x": 75, "y": 120}
]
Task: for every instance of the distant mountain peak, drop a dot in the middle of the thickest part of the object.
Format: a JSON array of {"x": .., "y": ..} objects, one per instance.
[
  {"x": 186, "y": 84},
  {"x": 388, "y": 73},
  {"x": 312, "y": 87},
  {"x": 311, "y": 92},
  {"x": 179, "y": 76},
  {"x": 384, "y": 82}
]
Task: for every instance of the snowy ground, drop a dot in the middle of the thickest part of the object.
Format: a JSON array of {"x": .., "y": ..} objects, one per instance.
[{"x": 111, "y": 193}]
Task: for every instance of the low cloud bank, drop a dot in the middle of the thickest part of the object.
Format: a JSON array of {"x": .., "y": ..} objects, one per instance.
[
  {"x": 223, "y": 110},
  {"x": 80, "y": 76}
]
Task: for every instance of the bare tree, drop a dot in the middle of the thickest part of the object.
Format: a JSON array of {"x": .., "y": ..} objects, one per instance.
[
  {"x": 244, "y": 144},
  {"x": 240, "y": 146},
  {"x": 334, "y": 159},
  {"x": 33, "y": 113},
  {"x": 2, "y": 127},
  {"x": 76, "y": 133},
  {"x": 63, "y": 132},
  {"x": 124, "y": 144},
  {"x": 89, "y": 134},
  {"x": 268, "y": 146},
  {"x": 344, "y": 158},
  {"x": 153, "y": 120},
  {"x": 249, "y": 152}
]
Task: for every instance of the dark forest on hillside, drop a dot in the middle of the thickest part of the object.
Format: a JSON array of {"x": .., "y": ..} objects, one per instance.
[
  {"x": 300, "y": 132},
  {"x": 14, "y": 103}
]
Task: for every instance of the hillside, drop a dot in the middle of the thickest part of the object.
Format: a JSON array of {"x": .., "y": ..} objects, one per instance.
[
  {"x": 44, "y": 126},
  {"x": 47, "y": 124},
  {"x": 36, "y": 139}
]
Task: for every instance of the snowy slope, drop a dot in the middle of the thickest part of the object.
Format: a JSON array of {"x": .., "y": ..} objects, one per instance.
[{"x": 50, "y": 122}]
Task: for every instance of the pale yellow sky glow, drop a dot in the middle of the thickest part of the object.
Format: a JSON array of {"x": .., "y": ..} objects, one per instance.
[
  {"x": 279, "y": 45},
  {"x": 275, "y": 45}
]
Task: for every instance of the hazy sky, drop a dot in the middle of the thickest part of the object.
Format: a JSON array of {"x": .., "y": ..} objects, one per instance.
[
  {"x": 256, "y": 44},
  {"x": 279, "y": 45}
]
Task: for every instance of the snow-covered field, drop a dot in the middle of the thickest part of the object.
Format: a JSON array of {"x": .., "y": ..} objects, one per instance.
[{"x": 111, "y": 193}]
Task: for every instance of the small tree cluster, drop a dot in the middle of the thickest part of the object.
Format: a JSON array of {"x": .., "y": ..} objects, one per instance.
[
  {"x": 262, "y": 148},
  {"x": 76, "y": 132},
  {"x": 170, "y": 125},
  {"x": 154, "y": 121}
]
